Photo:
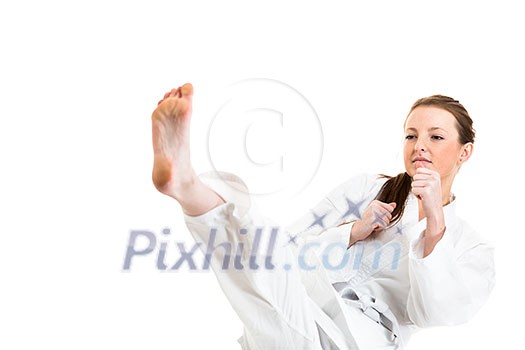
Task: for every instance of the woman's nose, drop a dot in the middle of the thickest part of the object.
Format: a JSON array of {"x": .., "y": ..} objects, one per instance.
[{"x": 420, "y": 145}]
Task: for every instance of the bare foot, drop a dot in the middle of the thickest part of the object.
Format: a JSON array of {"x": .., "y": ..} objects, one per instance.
[
  {"x": 173, "y": 173},
  {"x": 171, "y": 137}
]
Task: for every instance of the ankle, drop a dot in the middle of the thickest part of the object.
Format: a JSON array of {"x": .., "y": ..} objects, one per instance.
[{"x": 184, "y": 187}]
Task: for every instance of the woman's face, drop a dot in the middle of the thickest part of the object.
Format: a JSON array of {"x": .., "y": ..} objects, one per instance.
[{"x": 432, "y": 141}]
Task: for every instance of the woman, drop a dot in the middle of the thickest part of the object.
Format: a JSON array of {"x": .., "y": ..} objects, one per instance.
[{"x": 414, "y": 262}]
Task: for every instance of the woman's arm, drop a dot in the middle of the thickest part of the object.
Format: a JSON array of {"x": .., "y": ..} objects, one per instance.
[
  {"x": 344, "y": 204},
  {"x": 426, "y": 185}
]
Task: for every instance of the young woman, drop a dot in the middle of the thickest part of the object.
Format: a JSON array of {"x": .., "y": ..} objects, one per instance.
[{"x": 414, "y": 262}]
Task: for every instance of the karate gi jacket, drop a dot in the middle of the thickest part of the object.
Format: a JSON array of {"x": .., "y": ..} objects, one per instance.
[{"x": 445, "y": 288}]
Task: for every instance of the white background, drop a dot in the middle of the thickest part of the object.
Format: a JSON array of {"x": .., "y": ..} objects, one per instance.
[{"x": 78, "y": 83}]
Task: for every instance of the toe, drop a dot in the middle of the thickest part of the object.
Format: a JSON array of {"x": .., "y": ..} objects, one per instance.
[
  {"x": 166, "y": 95},
  {"x": 174, "y": 93},
  {"x": 186, "y": 90}
]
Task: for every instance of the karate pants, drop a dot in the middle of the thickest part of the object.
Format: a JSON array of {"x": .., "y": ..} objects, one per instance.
[{"x": 272, "y": 303}]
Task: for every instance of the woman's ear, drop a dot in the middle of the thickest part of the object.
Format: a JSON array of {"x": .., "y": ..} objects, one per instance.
[{"x": 466, "y": 152}]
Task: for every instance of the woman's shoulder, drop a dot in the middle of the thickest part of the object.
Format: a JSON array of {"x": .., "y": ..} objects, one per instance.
[
  {"x": 358, "y": 188},
  {"x": 366, "y": 180}
]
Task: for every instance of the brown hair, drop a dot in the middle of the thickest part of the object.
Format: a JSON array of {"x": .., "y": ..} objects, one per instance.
[{"x": 397, "y": 188}]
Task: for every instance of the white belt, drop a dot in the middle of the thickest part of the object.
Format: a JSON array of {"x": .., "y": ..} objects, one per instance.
[{"x": 375, "y": 309}]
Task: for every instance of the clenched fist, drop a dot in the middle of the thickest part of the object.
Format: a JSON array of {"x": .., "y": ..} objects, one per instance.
[{"x": 376, "y": 217}]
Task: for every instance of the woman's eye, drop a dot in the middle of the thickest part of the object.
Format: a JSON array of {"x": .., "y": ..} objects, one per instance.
[
  {"x": 410, "y": 137},
  {"x": 437, "y": 137}
]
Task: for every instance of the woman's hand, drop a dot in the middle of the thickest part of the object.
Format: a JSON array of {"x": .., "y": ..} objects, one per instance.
[
  {"x": 376, "y": 217},
  {"x": 426, "y": 185}
]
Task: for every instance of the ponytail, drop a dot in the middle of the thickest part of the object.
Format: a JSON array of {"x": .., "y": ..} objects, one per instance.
[{"x": 396, "y": 189}]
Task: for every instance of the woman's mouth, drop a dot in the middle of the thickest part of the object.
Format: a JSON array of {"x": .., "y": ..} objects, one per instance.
[{"x": 421, "y": 162}]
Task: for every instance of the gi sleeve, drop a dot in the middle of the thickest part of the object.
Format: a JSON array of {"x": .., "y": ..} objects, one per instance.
[{"x": 452, "y": 283}]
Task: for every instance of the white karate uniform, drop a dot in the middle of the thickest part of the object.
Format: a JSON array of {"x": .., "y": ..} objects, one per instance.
[{"x": 295, "y": 306}]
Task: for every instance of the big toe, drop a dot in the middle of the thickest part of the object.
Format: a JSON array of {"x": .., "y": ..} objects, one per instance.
[{"x": 186, "y": 90}]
